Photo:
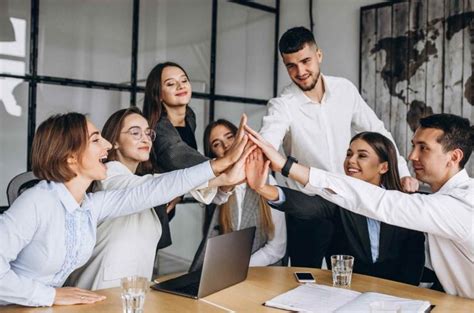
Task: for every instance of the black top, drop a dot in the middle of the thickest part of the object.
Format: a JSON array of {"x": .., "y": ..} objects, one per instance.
[
  {"x": 187, "y": 135},
  {"x": 401, "y": 251}
]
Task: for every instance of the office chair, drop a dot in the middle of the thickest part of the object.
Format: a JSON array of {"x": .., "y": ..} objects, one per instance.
[{"x": 20, "y": 183}]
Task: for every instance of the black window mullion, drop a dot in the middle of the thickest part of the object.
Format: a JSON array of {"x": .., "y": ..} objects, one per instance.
[
  {"x": 275, "y": 55},
  {"x": 212, "y": 79},
  {"x": 135, "y": 29},
  {"x": 32, "y": 88}
]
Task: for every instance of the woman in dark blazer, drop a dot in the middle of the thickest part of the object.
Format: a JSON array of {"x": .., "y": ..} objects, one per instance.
[{"x": 380, "y": 250}]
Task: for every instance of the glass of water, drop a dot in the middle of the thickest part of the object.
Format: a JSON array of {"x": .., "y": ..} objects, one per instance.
[
  {"x": 342, "y": 270},
  {"x": 134, "y": 289}
]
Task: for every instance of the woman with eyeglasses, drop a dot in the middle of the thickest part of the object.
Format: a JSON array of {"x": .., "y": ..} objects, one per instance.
[
  {"x": 125, "y": 245},
  {"x": 50, "y": 230}
]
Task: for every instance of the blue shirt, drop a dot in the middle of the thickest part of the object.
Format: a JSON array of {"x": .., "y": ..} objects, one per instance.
[
  {"x": 373, "y": 227},
  {"x": 46, "y": 234}
]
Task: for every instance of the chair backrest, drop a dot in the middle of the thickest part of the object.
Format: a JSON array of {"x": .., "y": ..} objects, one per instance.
[{"x": 20, "y": 183}]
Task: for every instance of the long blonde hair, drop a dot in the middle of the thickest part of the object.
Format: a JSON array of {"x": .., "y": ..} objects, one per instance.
[
  {"x": 225, "y": 222},
  {"x": 266, "y": 221}
]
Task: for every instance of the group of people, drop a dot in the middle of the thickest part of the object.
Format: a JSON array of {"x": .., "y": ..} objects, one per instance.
[{"x": 104, "y": 201}]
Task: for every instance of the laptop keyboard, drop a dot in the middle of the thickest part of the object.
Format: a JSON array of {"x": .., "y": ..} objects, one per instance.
[{"x": 191, "y": 289}]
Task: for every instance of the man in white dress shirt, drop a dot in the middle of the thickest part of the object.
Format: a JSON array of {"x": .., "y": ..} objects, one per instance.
[
  {"x": 442, "y": 146},
  {"x": 315, "y": 118}
]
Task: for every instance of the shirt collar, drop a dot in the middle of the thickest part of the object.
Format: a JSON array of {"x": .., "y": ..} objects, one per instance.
[
  {"x": 66, "y": 198},
  {"x": 302, "y": 98},
  {"x": 454, "y": 181}
]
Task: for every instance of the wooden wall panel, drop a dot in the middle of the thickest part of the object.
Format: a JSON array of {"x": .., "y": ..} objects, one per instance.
[
  {"x": 398, "y": 123},
  {"x": 367, "y": 83},
  {"x": 468, "y": 82},
  {"x": 453, "y": 59},
  {"x": 434, "y": 69},
  {"x": 383, "y": 65}
]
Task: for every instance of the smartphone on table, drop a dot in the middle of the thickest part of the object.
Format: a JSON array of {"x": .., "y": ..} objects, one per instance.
[{"x": 305, "y": 277}]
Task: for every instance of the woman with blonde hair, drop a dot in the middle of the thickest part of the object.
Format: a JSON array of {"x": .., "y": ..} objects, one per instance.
[{"x": 243, "y": 208}]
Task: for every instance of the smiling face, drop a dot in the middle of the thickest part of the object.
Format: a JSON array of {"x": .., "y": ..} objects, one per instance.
[
  {"x": 91, "y": 165},
  {"x": 221, "y": 139},
  {"x": 362, "y": 162},
  {"x": 130, "y": 149},
  {"x": 431, "y": 164},
  {"x": 303, "y": 66},
  {"x": 175, "y": 87}
]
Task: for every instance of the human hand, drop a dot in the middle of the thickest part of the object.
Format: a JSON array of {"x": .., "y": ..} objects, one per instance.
[
  {"x": 72, "y": 295},
  {"x": 410, "y": 184},
  {"x": 256, "y": 170},
  {"x": 235, "y": 151},
  {"x": 172, "y": 204},
  {"x": 276, "y": 159},
  {"x": 236, "y": 174},
  {"x": 237, "y": 148}
]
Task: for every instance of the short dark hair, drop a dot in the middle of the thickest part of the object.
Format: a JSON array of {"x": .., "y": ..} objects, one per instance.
[
  {"x": 58, "y": 138},
  {"x": 294, "y": 39},
  {"x": 207, "y": 134},
  {"x": 457, "y": 133}
]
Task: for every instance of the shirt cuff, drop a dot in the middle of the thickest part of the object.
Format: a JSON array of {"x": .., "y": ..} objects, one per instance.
[
  {"x": 317, "y": 181},
  {"x": 281, "y": 198},
  {"x": 43, "y": 296}
]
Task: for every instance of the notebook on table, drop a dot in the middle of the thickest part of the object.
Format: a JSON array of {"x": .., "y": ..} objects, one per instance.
[
  {"x": 226, "y": 263},
  {"x": 320, "y": 298}
]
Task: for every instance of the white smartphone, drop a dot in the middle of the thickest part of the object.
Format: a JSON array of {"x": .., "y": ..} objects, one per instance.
[{"x": 305, "y": 277}]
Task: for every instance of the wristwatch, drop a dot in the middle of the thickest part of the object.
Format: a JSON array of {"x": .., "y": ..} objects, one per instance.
[{"x": 285, "y": 171}]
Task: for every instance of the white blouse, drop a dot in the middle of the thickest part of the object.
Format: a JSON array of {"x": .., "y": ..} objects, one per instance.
[{"x": 46, "y": 234}]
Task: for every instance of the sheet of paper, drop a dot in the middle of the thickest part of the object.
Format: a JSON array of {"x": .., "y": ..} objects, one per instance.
[
  {"x": 313, "y": 298},
  {"x": 362, "y": 303}
]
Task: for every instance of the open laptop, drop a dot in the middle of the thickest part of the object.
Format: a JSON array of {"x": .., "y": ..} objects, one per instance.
[{"x": 226, "y": 263}]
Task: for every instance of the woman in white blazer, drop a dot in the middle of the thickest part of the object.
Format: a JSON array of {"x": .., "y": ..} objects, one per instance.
[{"x": 126, "y": 245}]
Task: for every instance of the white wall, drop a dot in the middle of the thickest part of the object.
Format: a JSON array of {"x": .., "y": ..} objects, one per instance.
[{"x": 336, "y": 29}]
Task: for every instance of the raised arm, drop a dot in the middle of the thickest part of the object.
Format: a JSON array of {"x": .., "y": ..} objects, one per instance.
[
  {"x": 287, "y": 200},
  {"x": 153, "y": 192},
  {"x": 276, "y": 123}
]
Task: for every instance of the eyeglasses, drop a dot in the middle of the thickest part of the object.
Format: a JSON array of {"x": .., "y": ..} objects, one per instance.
[{"x": 137, "y": 133}]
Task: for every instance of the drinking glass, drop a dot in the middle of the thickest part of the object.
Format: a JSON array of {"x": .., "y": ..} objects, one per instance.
[
  {"x": 342, "y": 270},
  {"x": 134, "y": 289}
]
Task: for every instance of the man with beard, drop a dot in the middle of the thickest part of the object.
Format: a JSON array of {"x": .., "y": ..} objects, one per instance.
[{"x": 313, "y": 118}]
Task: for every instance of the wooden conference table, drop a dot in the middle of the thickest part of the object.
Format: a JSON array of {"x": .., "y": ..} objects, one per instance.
[{"x": 263, "y": 283}]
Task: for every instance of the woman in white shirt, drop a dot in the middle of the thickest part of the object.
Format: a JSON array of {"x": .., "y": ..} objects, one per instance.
[
  {"x": 243, "y": 208},
  {"x": 50, "y": 230}
]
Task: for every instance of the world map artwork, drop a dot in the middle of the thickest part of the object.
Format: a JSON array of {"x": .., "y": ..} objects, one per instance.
[
  {"x": 417, "y": 59},
  {"x": 397, "y": 69}
]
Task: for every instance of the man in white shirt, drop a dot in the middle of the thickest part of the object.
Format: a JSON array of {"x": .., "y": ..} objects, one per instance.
[
  {"x": 442, "y": 146},
  {"x": 315, "y": 118}
]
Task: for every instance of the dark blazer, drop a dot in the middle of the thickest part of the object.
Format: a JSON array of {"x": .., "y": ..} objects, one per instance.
[
  {"x": 170, "y": 152},
  {"x": 401, "y": 251}
]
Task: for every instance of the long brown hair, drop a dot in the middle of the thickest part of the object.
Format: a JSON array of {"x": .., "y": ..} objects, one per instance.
[
  {"x": 225, "y": 222},
  {"x": 386, "y": 152},
  {"x": 111, "y": 132},
  {"x": 152, "y": 106}
]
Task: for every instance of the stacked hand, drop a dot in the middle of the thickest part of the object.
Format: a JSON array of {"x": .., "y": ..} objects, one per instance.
[{"x": 71, "y": 295}]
